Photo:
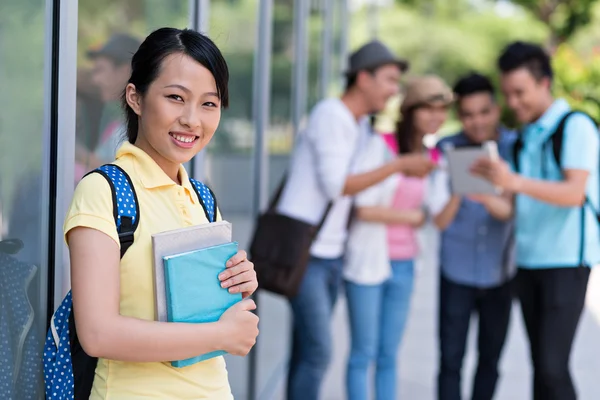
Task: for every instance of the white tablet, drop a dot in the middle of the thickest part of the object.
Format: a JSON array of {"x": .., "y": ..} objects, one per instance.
[{"x": 460, "y": 161}]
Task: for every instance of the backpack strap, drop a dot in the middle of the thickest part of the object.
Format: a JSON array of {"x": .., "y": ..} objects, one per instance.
[
  {"x": 557, "y": 137},
  {"x": 516, "y": 150},
  {"x": 557, "y": 140},
  {"x": 125, "y": 203},
  {"x": 207, "y": 199}
]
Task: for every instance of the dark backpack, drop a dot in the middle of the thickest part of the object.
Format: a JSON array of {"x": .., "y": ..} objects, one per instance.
[
  {"x": 555, "y": 141},
  {"x": 68, "y": 371}
]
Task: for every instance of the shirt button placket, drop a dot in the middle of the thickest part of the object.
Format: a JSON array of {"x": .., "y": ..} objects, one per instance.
[
  {"x": 181, "y": 206},
  {"x": 481, "y": 248},
  {"x": 186, "y": 203}
]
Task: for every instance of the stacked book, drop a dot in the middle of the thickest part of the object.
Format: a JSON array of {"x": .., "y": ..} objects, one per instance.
[{"x": 187, "y": 263}]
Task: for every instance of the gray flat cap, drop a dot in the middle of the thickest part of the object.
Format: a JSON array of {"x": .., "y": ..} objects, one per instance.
[
  {"x": 372, "y": 55},
  {"x": 120, "y": 47}
]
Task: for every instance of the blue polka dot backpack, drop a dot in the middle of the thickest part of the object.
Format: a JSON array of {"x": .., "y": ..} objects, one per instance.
[{"x": 68, "y": 370}]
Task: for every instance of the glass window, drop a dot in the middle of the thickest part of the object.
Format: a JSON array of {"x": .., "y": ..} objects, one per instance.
[
  {"x": 109, "y": 32},
  {"x": 315, "y": 57},
  {"x": 23, "y": 271},
  {"x": 228, "y": 161},
  {"x": 336, "y": 77},
  {"x": 273, "y": 343},
  {"x": 281, "y": 132}
]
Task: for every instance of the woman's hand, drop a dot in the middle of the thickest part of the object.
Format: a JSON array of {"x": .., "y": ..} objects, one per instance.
[
  {"x": 417, "y": 218},
  {"x": 239, "y": 277},
  {"x": 240, "y": 328}
]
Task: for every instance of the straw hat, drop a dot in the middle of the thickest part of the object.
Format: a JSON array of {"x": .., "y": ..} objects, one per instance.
[{"x": 428, "y": 89}]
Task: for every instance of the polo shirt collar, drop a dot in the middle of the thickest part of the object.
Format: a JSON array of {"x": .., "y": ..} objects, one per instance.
[
  {"x": 552, "y": 116},
  {"x": 149, "y": 172}
]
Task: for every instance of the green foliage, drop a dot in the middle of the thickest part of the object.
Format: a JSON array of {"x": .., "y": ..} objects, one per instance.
[
  {"x": 450, "y": 44},
  {"x": 448, "y": 47},
  {"x": 575, "y": 78},
  {"x": 563, "y": 17}
]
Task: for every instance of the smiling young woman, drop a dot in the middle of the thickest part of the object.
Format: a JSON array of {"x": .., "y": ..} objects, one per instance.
[
  {"x": 180, "y": 93},
  {"x": 173, "y": 103}
]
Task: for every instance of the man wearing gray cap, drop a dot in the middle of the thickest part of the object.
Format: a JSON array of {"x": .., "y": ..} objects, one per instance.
[
  {"x": 112, "y": 65},
  {"x": 111, "y": 71},
  {"x": 319, "y": 185}
]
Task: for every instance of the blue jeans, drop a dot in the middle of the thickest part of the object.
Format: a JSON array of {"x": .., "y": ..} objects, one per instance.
[
  {"x": 312, "y": 309},
  {"x": 378, "y": 316}
]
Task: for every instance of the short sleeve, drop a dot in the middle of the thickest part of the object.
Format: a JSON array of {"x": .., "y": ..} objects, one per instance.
[
  {"x": 92, "y": 207},
  {"x": 581, "y": 144},
  {"x": 438, "y": 193}
]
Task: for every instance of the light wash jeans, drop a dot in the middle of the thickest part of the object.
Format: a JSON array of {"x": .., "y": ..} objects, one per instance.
[
  {"x": 312, "y": 310},
  {"x": 377, "y": 316}
]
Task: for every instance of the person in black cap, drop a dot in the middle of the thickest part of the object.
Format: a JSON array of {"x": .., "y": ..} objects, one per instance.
[
  {"x": 111, "y": 70},
  {"x": 321, "y": 174},
  {"x": 112, "y": 65}
]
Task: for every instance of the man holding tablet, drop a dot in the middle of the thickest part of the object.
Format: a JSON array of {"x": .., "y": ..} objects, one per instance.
[
  {"x": 554, "y": 177},
  {"x": 476, "y": 251}
]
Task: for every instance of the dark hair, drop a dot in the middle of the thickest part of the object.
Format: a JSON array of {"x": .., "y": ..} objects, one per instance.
[
  {"x": 147, "y": 61},
  {"x": 405, "y": 132},
  {"x": 352, "y": 78},
  {"x": 526, "y": 55},
  {"x": 472, "y": 84}
]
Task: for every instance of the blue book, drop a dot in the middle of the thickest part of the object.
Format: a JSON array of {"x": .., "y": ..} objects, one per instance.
[{"x": 194, "y": 292}]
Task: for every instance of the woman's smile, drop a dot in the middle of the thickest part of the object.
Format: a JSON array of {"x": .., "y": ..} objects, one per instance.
[{"x": 184, "y": 140}]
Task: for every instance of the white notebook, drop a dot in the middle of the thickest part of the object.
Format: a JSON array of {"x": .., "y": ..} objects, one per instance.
[{"x": 180, "y": 241}]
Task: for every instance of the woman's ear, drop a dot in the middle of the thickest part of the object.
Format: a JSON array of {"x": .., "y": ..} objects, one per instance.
[{"x": 133, "y": 98}]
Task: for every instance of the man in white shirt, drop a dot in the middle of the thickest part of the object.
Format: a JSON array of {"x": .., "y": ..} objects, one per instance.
[{"x": 321, "y": 173}]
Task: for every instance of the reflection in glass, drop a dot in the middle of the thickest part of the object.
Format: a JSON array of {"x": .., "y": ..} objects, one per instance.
[
  {"x": 228, "y": 161},
  {"x": 23, "y": 274},
  {"x": 102, "y": 124},
  {"x": 110, "y": 31}
]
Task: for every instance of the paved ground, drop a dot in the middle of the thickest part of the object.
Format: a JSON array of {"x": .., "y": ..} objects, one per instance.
[{"x": 418, "y": 356}]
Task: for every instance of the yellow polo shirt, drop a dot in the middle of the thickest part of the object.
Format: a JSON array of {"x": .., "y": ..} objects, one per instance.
[{"x": 163, "y": 206}]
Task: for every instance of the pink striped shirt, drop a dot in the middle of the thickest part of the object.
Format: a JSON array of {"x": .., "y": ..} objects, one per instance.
[{"x": 410, "y": 194}]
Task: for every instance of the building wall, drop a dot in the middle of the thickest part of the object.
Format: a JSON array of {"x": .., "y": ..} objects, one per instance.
[{"x": 284, "y": 56}]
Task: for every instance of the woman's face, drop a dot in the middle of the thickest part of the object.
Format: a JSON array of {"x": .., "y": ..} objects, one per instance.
[
  {"x": 179, "y": 113},
  {"x": 430, "y": 118}
]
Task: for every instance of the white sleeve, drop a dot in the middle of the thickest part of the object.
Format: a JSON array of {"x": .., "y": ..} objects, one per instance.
[
  {"x": 437, "y": 193},
  {"x": 373, "y": 156},
  {"x": 333, "y": 143}
]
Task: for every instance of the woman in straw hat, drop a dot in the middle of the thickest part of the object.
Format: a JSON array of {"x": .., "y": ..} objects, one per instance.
[{"x": 382, "y": 244}]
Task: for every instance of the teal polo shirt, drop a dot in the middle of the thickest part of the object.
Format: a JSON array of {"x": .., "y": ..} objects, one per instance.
[{"x": 549, "y": 236}]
